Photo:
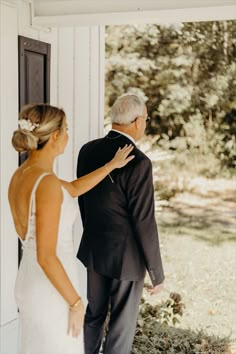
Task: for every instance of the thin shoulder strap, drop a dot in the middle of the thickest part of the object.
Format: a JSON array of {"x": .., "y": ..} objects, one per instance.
[
  {"x": 32, "y": 197},
  {"x": 38, "y": 181},
  {"x": 32, "y": 205}
]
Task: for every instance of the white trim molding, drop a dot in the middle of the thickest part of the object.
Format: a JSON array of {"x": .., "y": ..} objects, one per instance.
[
  {"x": 72, "y": 7},
  {"x": 10, "y": 3},
  {"x": 217, "y": 13}
]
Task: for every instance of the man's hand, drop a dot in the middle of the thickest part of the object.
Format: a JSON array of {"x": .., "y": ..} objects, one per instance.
[{"x": 156, "y": 289}]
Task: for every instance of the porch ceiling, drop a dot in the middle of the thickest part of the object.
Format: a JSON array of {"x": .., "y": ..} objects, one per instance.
[{"x": 94, "y": 12}]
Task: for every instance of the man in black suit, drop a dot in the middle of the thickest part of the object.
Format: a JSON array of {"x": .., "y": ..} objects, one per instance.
[{"x": 120, "y": 239}]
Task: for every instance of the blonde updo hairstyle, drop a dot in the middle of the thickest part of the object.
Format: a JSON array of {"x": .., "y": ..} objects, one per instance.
[{"x": 46, "y": 119}]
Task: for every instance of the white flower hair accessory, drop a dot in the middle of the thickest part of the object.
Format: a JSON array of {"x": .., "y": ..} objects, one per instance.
[{"x": 26, "y": 124}]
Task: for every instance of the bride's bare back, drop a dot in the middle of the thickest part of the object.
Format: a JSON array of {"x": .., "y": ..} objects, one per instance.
[{"x": 20, "y": 188}]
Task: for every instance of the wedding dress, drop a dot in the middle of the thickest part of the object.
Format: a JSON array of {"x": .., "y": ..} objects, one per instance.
[{"x": 43, "y": 313}]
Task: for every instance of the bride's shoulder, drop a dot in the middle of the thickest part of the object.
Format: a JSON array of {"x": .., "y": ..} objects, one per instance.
[
  {"x": 49, "y": 185},
  {"x": 14, "y": 180}
]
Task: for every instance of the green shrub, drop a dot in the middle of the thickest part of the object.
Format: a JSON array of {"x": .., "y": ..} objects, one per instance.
[
  {"x": 165, "y": 312},
  {"x": 154, "y": 334},
  {"x": 155, "y": 338}
]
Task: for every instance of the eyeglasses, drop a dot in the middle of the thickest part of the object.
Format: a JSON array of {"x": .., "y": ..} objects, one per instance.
[{"x": 146, "y": 118}]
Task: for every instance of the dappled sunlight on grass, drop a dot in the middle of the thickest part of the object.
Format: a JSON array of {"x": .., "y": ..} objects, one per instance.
[{"x": 205, "y": 216}]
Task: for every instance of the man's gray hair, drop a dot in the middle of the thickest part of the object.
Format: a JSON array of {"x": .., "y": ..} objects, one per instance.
[{"x": 126, "y": 108}]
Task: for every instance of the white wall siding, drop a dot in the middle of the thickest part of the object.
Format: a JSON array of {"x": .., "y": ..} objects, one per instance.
[
  {"x": 89, "y": 85},
  {"x": 8, "y": 157},
  {"x": 94, "y": 83},
  {"x": 51, "y": 36},
  {"x": 65, "y": 95},
  {"x": 77, "y": 85},
  {"x": 97, "y": 44},
  {"x": 82, "y": 88},
  {"x": 81, "y": 129},
  {"x": 101, "y": 54},
  {"x": 89, "y": 56}
]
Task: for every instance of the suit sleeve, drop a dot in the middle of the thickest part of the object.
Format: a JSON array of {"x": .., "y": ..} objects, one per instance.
[
  {"x": 141, "y": 208},
  {"x": 80, "y": 198}
]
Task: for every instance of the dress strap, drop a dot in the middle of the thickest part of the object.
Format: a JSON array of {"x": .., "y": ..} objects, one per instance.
[
  {"x": 32, "y": 204},
  {"x": 32, "y": 197}
]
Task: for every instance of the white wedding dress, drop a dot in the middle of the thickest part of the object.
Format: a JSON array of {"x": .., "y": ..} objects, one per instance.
[{"x": 43, "y": 313}]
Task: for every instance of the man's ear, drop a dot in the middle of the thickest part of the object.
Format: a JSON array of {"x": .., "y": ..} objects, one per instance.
[{"x": 137, "y": 123}]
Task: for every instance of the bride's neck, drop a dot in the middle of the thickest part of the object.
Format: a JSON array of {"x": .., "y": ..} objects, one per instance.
[{"x": 41, "y": 159}]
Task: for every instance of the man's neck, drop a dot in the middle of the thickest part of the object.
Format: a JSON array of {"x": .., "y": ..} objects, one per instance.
[
  {"x": 124, "y": 130},
  {"x": 130, "y": 137}
]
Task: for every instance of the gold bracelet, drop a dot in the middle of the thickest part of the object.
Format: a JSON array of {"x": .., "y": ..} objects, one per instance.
[
  {"x": 112, "y": 181},
  {"x": 76, "y": 304},
  {"x": 106, "y": 168}
]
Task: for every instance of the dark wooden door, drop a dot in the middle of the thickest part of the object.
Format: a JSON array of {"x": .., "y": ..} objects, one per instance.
[
  {"x": 34, "y": 71},
  {"x": 34, "y": 77}
]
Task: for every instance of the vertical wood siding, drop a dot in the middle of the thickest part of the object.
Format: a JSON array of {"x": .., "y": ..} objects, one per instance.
[
  {"x": 77, "y": 85},
  {"x": 8, "y": 157},
  {"x": 65, "y": 94}
]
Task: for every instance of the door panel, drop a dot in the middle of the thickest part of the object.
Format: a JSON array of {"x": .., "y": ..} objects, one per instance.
[
  {"x": 35, "y": 78},
  {"x": 34, "y": 71}
]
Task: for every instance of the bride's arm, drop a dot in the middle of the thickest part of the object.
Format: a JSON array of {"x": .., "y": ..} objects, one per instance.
[
  {"x": 48, "y": 207},
  {"x": 87, "y": 182}
]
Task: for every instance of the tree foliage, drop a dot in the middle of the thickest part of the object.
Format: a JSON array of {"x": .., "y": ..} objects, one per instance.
[{"x": 187, "y": 75}]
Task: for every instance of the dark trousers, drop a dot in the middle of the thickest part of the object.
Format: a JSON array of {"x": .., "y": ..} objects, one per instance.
[{"x": 124, "y": 298}]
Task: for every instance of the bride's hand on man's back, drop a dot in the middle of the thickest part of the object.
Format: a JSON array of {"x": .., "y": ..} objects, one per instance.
[{"x": 122, "y": 157}]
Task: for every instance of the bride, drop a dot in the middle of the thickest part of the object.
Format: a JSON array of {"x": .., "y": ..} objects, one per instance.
[{"x": 51, "y": 311}]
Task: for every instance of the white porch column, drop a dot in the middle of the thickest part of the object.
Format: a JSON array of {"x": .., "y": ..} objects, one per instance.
[{"x": 8, "y": 157}]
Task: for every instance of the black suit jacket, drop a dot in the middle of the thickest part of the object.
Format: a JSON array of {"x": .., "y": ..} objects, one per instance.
[{"x": 120, "y": 238}]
